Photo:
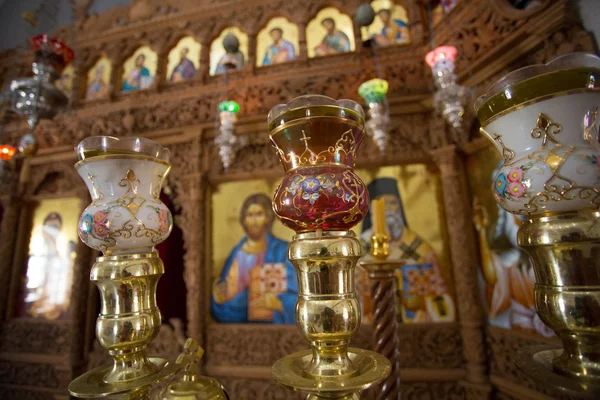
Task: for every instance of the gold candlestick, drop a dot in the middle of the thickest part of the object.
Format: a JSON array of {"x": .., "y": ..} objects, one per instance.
[{"x": 321, "y": 198}]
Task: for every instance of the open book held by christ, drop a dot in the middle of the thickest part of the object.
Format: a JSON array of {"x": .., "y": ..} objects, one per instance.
[{"x": 265, "y": 279}]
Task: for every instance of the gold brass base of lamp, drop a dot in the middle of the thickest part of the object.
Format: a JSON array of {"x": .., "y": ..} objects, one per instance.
[
  {"x": 565, "y": 250},
  {"x": 536, "y": 362},
  {"x": 328, "y": 314},
  {"x": 92, "y": 384},
  {"x": 290, "y": 371},
  {"x": 129, "y": 320}
]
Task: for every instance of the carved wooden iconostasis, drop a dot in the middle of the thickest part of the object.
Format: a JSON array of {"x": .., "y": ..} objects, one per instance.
[{"x": 151, "y": 69}]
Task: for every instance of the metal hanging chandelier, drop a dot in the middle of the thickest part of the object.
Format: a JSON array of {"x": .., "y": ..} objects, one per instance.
[
  {"x": 450, "y": 99},
  {"x": 373, "y": 92},
  {"x": 227, "y": 141},
  {"x": 38, "y": 97}
]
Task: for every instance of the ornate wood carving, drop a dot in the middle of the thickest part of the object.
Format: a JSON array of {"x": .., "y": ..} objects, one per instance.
[
  {"x": 80, "y": 289},
  {"x": 34, "y": 336},
  {"x": 257, "y": 389},
  {"x": 421, "y": 345},
  {"x": 483, "y": 30},
  {"x": 30, "y": 374},
  {"x": 60, "y": 340},
  {"x": 431, "y": 390},
  {"x": 408, "y": 143},
  {"x": 54, "y": 178},
  {"x": 11, "y": 206},
  {"x": 568, "y": 40},
  {"x": 23, "y": 394},
  {"x": 189, "y": 196},
  {"x": 480, "y": 28},
  {"x": 464, "y": 259},
  {"x": 503, "y": 344},
  {"x": 229, "y": 344},
  {"x": 430, "y": 346}
]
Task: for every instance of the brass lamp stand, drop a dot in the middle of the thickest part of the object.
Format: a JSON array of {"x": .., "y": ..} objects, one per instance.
[
  {"x": 125, "y": 220},
  {"x": 129, "y": 320},
  {"x": 543, "y": 119},
  {"x": 321, "y": 198},
  {"x": 565, "y": 249}
]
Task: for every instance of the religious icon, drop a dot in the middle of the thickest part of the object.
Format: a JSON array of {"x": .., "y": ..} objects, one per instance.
[
  {"x": 139, "y": 70},
  {"x": 48, "y": 277},
  {"x": 257, "y": 282},
  {"x": 334, "y": 42},
  {"x": 65, "y": 82},
  {"x": 330, "y": 32},
  {"x": 98, "y": 78},
  {"x": 390, "y": 25},
  {"x": 229, "y": 51},
  {"x": 185, "y": 69},
  {"x": 280, "y": 50},
  {"x": 424, "y": 294},
  {"x": 183, "y": 60},
  {"x": 278, "y": 42},
  {"x": 506, "y": 276}
]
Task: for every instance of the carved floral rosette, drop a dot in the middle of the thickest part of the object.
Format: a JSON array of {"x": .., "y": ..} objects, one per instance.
[
  {"x": 316, "y": 139},
  {"x": 544, "y": 121},
  {"x": 126, "y": 214}
]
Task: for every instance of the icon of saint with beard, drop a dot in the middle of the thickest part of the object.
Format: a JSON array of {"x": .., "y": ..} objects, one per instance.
[{"x": 422, "y": 292}]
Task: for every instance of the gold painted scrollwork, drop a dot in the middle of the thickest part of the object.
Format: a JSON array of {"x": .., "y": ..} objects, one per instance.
[
  {"x": 98, "y": 195},
  {"x": 345, "y": 145},
  {"x": 507, "y": 154},
  {"x": 132, "y": 202},
  {"x": 546, "y": 129},
  {"x": 558, "y": 187}
]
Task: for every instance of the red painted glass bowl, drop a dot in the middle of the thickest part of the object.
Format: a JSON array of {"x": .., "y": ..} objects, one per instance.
[{"x": 316, "y": 139}]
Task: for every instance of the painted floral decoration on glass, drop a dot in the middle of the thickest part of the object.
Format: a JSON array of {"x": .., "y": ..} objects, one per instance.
[{"x": 514, "y": 184}]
